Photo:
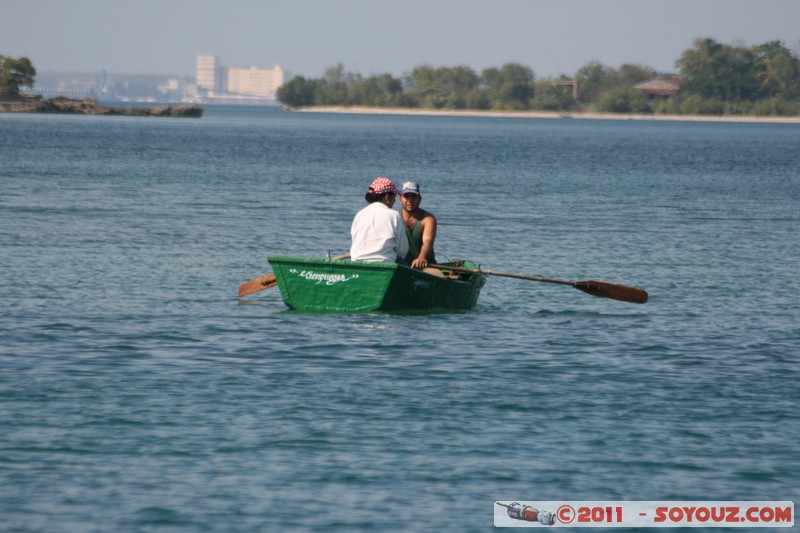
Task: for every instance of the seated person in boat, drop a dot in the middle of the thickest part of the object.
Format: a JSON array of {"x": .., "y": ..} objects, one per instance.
[
  {"x": 378, "y": 232},
  {"x": 420, "y": 225}
]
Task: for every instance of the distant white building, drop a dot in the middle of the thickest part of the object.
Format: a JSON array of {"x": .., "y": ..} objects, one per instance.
[
  {"x": 208, "y": 73},
  {"x": 254, "y": 81},
  {"x": 249, "y": 81}
]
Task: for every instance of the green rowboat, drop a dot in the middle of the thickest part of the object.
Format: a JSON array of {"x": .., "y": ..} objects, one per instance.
[{"x": 336, "y": 285}]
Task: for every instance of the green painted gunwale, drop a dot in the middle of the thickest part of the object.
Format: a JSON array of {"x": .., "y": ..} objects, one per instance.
[{"x": 332, "y": 285}]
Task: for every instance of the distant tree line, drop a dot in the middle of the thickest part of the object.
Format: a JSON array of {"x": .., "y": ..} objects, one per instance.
[{"x": 717, "y": 79}]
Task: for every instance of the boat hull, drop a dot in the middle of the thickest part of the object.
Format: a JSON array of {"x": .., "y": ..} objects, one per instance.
[{"x": 330, "y": 285}]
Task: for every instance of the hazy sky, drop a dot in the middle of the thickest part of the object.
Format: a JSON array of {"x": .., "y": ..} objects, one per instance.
[{"x": 380, "y": 36}]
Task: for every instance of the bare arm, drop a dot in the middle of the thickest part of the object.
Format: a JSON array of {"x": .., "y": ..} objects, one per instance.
[{"x": 428, "y": 225}]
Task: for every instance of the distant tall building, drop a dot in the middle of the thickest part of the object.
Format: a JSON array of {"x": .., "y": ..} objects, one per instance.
[
  {"x": 208, "y": 73},
  {"x": 255, "y": 81}
]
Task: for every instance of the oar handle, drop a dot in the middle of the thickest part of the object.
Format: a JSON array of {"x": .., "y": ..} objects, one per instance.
[
  {"x": 503, "y": 274},
  {"x": 529, "y": 278}
]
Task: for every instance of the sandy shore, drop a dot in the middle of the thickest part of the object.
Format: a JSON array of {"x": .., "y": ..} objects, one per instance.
[{"x": 542, "y": 114}]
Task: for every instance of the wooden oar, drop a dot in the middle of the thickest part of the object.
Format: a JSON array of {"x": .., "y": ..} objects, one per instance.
[
  {"x": 269, "y": 281},
  {"x": 602, "y": 289},
  {"x": 258, "y": 284}
]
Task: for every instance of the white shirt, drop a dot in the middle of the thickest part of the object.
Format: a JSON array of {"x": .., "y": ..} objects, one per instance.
[{"x": 378, "y": 234}]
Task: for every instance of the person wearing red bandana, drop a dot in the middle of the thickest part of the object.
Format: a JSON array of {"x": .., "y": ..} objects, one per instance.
[{"x": 378, "y": 232}]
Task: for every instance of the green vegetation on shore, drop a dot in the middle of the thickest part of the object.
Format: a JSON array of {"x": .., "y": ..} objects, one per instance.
[
  {"x": 716, "y": 79},
  {"x": 15, "y": 73}
]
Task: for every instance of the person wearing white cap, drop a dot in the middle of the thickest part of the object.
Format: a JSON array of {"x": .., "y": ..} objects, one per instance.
[
  {"x": 420, "y": 225},
  {"x": 377, "y": 232}
]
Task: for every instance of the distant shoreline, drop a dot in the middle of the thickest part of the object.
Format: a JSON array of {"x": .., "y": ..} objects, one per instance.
[
  {"x": 360, "y": 110},
  {"x": 24, "y": 103}
]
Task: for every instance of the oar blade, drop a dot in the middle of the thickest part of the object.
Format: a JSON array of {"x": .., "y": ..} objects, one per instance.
[
  {"x": 258, "y": 284},
  {"x": 603, "y": 289}
]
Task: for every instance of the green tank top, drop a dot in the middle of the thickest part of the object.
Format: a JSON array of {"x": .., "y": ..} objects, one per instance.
[{"x": 415, "y": 244}]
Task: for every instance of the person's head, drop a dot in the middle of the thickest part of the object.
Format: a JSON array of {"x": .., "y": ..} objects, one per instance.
[
  {"x": 381, "y": 190},
  {"x": 410, "y": 196}
]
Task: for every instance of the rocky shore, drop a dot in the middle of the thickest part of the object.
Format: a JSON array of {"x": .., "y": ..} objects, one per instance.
[{"x": 20, "y": 103}]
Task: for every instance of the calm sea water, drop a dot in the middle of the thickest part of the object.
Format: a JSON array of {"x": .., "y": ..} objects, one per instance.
[{"x": 138, "y": 393}]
